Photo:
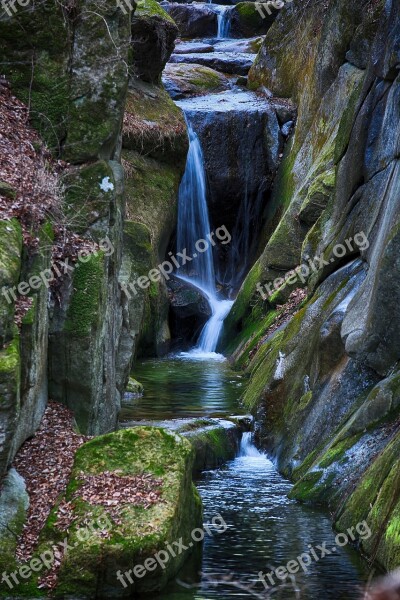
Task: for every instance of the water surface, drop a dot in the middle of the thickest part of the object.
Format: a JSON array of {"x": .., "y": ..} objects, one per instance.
[
  {"x": 176, "y": 387},
  {"x": 265, "y": 529}
]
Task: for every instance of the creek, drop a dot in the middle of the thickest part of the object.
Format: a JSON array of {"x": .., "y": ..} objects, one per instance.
[{"x": 265, "y": 529}]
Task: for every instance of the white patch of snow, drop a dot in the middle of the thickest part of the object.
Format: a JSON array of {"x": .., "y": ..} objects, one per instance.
[
  {"x": 106, "y": 185},
  {"x": 279, "y": 366}
]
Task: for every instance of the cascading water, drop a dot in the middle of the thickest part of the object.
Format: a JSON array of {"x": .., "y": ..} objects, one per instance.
[
  {"x": 247, "y": 447},
  {"x": 193, "y": 221},
  {"x": 224, "y": 22},
  {"x": 212, "y": 330},
  {"x": 194, "y": 225}
]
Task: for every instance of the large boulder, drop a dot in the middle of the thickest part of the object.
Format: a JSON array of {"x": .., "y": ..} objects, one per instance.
[
  {"x": 247, "y": 21},
  {"x": 234, "y": 122},
  {"x": 135, "y": 488},
  {"x": 155, "y": 144},
  {"x": 215, "y": 441},
  {"x": 153, "y": 37},
  {"x": 99, "y": 80},
  {"x": 84, "y": 326},
  {"x": 193, "y": 20},
  {"x": 324, "y": 383}
]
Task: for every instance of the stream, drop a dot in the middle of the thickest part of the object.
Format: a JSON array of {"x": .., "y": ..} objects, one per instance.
[{"x": 265, "y": 529}]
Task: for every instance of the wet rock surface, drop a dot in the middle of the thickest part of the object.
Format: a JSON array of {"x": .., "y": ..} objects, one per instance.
[
  {"x": 193, "y": 20},
  {"x": 182, "y": 80},
  {"x": 224, "y": 62}
]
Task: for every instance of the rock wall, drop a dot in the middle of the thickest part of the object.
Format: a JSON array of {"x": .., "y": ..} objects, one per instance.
[
  {"x": 72, "y": 66},
  {"x": 323, "y": 370}
]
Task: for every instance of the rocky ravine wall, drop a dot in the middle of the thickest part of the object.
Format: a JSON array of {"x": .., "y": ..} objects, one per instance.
[
  {"x": 77, "y": 67},
  {"x": 325, "y": 385}
]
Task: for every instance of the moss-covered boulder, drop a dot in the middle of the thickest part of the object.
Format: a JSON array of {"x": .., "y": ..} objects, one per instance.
[
  {"x": 377, "y": 501},
  {"x": 214, "y": 443},
  {"x": 183, "y": 80},
  {"x": 248, "y": 20},
  {"x": 193, "y": 20},
  {"x": 153, "y": 125},
  {"x": 135, "y": 531},
  {"x": 189, "y": 312},
  {"x": 153, "y": 37},
  {"x": 155, "y": 145},
  {"x": 10, "y": 267},
  {"x": 23, "y": 348},
  {"x": 72, "y": 72}
]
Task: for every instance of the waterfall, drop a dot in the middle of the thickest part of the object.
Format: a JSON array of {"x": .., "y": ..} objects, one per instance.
[
  {"x": 247, "y": 448},
  {"x": 194, "y": 225},
  {"x": 193, "y": 221},
  {"x": 224, "y": 21}
]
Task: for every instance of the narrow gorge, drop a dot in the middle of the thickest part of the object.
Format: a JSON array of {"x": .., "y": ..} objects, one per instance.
[{"x": 199, "y": 290}]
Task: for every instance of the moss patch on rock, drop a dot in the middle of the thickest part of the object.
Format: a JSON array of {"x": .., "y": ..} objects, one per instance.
[
  {"x": 84, "y": 308},
  {"x": 140, "y": 532}
]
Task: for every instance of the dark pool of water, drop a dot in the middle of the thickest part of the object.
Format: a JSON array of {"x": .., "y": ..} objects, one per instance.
[
  {"x": 265, "y": 529},
  {"x": 176, "y": 388}
]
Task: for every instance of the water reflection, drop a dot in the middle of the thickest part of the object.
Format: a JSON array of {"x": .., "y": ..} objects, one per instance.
[{"x": 176, "y": 388}]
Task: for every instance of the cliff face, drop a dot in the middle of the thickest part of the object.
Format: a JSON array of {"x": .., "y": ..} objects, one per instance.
[
  {"x": 77, "y": 68},
  {"x": 323, "y": 365}
]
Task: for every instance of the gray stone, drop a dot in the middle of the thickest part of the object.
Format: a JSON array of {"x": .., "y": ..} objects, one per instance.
[
  {"x": 233, "y": 63},
  {"x": 14, "y": 503},
  {"x": 193, "y": 20}
]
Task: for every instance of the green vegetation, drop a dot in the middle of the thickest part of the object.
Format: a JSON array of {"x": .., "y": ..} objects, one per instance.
[{"x": 85, "y": 307}]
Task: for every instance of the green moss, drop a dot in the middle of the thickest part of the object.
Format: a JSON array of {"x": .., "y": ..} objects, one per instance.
[
  {"x": 151, "y": 8},
  {"x": 234, "y": 323},
  {"x": 84, "y": 309},
  {"x": 196, "y": 424},
  {"x": 7, "y": 190},
  {"x": 155, "y": 126},
  {"x": 337, "y": 451},
  {"x": 205, "y": 78},
  {"x": 140, "y": 532},
  {"x": 262, "y": 370},
  {"x": 157, "y": 107},
  {"x": 85, "y": 201},
  {"x": 378, "y": 487},
  {"x": 150, "y": 192},
  {"x": 305, "y": 488},
  {"x": 134, "y": 387},
  {"x": 10, "y": 357},
  {"x": 347, "y": 121},
  {"x": 29, "y": 317},
  {"x": 10, "y": 251},
  {"x": 305, "y": 400},
  {"x": 213, "y": 445},
  {"x": 250, "y": 20}
]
